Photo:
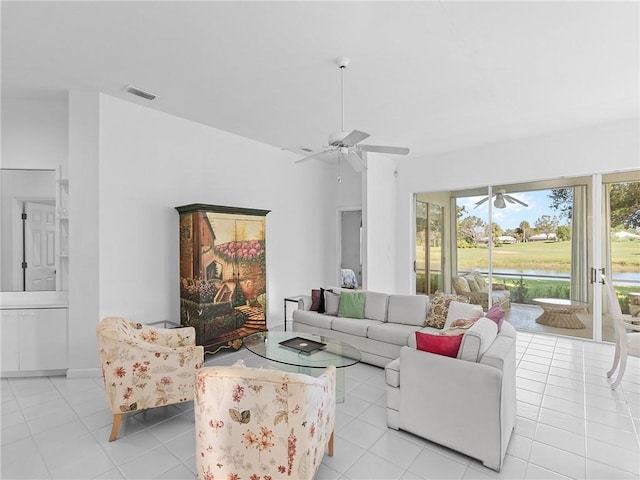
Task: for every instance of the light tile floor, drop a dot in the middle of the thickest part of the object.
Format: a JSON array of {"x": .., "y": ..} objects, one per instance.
[{"x": 570, "y": 425}]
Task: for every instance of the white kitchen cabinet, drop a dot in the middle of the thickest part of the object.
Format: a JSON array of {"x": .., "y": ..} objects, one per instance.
[{"x": 33, "y": 340}]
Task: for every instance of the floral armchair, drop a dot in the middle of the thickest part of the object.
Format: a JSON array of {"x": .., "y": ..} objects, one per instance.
[
  {"x": 474, "y": 286},
  {"x": 145, "y": 367},
  {"x": 261, "y": 424}
]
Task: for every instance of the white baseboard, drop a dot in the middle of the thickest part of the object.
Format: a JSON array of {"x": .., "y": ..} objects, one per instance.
[{"x": 84, "y": 372}]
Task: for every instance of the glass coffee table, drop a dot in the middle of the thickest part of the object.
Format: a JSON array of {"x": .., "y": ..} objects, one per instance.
[{"x": 334, "y": 352}]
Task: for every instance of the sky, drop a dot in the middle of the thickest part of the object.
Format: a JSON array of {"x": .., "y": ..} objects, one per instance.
[{"x": 510, "y": 217}]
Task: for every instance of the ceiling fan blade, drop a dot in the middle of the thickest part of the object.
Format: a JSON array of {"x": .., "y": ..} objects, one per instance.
[
  {"x": 354, "y": 136},
  {"x": 511, "y": 199},
  {"x": 302, "y": 150},
  {"x": 384, "y": 149},
  {"x": 324, "y": 155},
  {"x": 481, "y": 202},
  {"x": 355, "y": 161}
]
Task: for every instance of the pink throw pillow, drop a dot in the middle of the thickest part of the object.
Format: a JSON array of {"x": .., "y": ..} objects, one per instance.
[
  {"x": 496, "y": 314},
  {"x": 439, "y": 344}
]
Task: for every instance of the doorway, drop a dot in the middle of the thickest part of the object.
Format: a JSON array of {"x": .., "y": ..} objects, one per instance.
[{"x": 351, "y": 243}]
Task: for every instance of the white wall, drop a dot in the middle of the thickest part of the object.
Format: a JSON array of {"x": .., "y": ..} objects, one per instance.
[
  {"x": 379, "y": 224},
  {"x": 34, "y": 134},
  {"x": 84, "y": 232},
  {"x": 597, "y": 149},
  {"x": 151, "y": 162}
]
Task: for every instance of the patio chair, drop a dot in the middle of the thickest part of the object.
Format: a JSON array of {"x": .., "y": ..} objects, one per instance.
[{"x": 627, "y": 335}]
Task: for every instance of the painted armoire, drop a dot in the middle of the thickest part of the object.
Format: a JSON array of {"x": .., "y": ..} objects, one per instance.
[{"x": 222, "y": 273}]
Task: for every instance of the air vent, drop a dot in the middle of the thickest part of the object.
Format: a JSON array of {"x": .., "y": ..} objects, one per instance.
[
  {"x": 139, "y": 92},
  {"x": 304, "y": 149}
]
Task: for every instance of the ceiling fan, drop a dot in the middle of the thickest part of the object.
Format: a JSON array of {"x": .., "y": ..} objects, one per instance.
[
  {"x": 499, "y": 201},
  {"x": 345, "y": 145}
]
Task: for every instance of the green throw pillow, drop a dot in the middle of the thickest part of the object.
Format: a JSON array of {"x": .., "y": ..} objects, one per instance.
[{"x": 351, "y": 304}]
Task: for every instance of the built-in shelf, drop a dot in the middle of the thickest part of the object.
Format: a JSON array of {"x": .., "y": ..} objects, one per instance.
[{"x": 62, "y": 232}]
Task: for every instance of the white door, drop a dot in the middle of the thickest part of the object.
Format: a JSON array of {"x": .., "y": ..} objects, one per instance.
[{"x": 39, "y": 238}]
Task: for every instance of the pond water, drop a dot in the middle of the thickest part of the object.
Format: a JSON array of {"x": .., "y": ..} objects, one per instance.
[{"x": 621, "y": 278}]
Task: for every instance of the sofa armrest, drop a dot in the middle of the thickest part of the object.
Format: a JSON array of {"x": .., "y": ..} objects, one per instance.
[
  {"x": 304, "y": 302},
  {"x": 498, "y": 286},
  {"x": 441, "y": 397}
]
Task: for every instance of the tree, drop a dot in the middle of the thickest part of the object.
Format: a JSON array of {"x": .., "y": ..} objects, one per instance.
[
  {"x": 625, "y": 204},
  {"x": 470, "y": 228},
  {"x": 562, "y": 201},
  {"x": 547, "y": 224},
  {"x": 563, "y": 232},
  {"x": 525, "y": 227}
]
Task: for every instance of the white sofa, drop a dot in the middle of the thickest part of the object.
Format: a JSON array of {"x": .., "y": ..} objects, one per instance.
[
  {"x": 466, "y": 403},
  {"x": 389, "y": 322}
]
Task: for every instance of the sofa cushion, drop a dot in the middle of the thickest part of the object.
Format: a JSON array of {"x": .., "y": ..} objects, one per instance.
[
  {"x": 459, "y": 310},
  {"x": 440, "y": 307},
  {"x": 411, "y": 339},
  {"x": 314, "y": 319},
  {"x": 353, "y": 326},
  {"x": 375, "y": 306},
  {"x": 392, "y": 373},
  {"x": 395, "y": 333},
  {"x": 331, "y": 302},
  {"x": 351, "y": 304},
  {"x": 477, "y": 340},
  {"x": 439, "y": 344},
  {"x": 407, "y": 309}
]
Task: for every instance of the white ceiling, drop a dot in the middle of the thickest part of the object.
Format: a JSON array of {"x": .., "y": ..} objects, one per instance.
[{"x": 433, "y": 76}]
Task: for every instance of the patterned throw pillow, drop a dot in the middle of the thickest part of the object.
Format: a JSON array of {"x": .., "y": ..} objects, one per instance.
[
  {"x": 482, "y": 283},
  {"x": 440, "y": 306},
  {"x": 474, "y": 286},
  {"x": 460, "y": 284}
]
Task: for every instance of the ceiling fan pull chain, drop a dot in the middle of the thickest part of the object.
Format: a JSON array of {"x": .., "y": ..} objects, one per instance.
[{"x": 342, "y": 67}]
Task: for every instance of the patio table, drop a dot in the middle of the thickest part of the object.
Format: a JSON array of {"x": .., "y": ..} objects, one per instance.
[{"x": 560, "y": 312}]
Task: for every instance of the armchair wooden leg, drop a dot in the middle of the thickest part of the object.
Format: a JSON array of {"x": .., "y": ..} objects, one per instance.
[
  {"x": 117, "y": 419},
  {"x": 330, "y": 446}
]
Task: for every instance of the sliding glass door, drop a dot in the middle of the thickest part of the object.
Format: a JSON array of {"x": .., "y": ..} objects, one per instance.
[
  {"x": 621, "y": 244},
  {"x": 429, "y": 246}
]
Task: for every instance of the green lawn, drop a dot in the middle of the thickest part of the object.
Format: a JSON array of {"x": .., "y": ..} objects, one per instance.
[
  {"x": 544, "y": 256},
  {"x": 552, "y": 256}
]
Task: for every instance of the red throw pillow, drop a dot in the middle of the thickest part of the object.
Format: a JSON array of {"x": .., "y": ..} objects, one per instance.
[
  {"x": 315, "y": 300},
  {"x": 496, "y": 314},
  {"x": 440, "y": 344}
]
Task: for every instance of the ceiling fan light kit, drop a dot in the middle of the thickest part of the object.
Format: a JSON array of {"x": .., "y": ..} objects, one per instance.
[
  {"x": 499, "y": 201},
  {"x": 345, "y": 145}
]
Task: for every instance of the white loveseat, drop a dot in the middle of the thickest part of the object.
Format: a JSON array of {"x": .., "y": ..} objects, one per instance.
[
  {"x": 389, "y": 321},
  {"x": 466, "y": 403}
]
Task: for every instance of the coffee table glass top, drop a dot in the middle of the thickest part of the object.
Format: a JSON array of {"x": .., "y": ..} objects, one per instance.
[{"x": 335, "y": 352}]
